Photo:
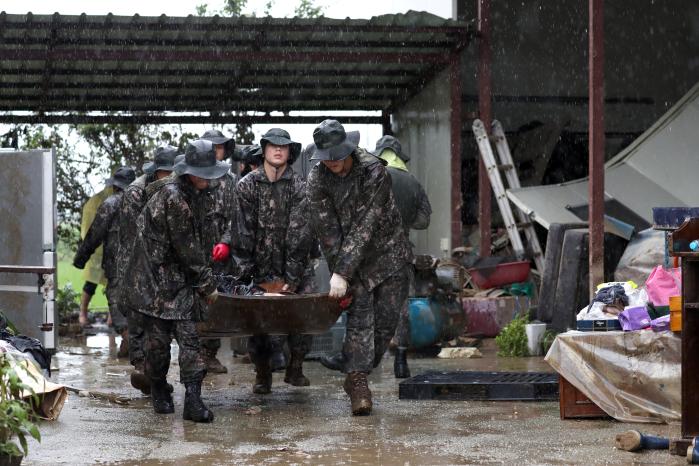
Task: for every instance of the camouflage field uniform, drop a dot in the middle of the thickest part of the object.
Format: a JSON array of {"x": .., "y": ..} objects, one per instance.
[
  {"x": 360, "y": 232},
  {"x": 169, "y": 276},
  {"x": 415, "y": 210},
  {"x": 132, "y": 203},
  {"x": 105, "y": 231},
  {"x": 272, "y": 242},
  {"x": 217, "y": 229}
]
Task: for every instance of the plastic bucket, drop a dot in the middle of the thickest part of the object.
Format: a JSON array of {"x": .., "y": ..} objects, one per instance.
[{"x": 535, "y": 332}]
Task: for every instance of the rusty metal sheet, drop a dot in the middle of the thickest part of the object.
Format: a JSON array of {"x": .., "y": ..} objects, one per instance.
[{"x": 274, "y": 315}]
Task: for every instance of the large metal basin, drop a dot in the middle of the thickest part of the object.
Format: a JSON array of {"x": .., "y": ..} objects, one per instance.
[{"x": 234, "y": 315}]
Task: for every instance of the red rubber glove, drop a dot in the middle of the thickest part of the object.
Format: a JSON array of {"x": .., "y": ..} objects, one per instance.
[
  {"x": 345, "y": 302},
  {"x": 221, "y": 252}
]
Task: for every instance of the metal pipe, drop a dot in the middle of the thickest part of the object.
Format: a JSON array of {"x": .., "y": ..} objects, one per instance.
[
  {"x": 456, "y": 149},
  {"x": 485, "y": 114},
  {"x": 596, "y": 141}
]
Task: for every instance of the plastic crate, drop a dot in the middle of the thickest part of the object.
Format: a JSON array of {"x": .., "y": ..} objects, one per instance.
[{"x": 331, "y": 341}]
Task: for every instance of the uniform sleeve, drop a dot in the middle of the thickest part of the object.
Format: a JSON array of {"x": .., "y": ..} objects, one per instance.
[
  {"x": 243, "y": 229},
  {"x": 323, "y": 220},
  {"x": 378, "y": 192},
  {"x": 180, "y": 224},
  {"x": 424, "y": 210},
  {"x": 230, "y": 208},
  {"x": 97, "y": 233},
  {"x": 298, "y": 237}
]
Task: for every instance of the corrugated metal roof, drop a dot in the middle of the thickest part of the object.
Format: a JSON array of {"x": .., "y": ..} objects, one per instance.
[
  {"x": 215, "y": 64},
  {"x": 657, "y": 170}
]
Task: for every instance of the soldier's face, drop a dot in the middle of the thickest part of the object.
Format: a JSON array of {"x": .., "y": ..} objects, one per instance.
[
  {"x": 200, "y": 184},
  {"x": 220, "y": 151},
  {"x": 276, "y": 155},
  {"x": 339, "y": 167}
]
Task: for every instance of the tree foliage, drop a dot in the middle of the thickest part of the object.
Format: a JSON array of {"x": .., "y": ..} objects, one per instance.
[{"x": 307, "y": 9}]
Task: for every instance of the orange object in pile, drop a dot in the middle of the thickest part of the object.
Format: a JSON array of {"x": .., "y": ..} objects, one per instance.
[{"x": 676, "y": 313}]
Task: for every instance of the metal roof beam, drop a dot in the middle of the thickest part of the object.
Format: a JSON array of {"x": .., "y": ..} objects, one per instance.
[
  {"x": 24, "y": 54},
  {"x": 181, "y": 119}
]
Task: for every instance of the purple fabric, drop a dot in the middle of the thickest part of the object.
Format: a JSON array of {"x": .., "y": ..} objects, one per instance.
[
  {"x": 634, "y": 318},
  {"x": 660, "y": 324}
]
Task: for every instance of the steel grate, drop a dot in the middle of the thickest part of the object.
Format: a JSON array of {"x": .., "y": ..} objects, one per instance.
[{"x": 473, "y": 385}]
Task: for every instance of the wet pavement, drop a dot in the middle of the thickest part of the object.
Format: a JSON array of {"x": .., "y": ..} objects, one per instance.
[{"x": 312, "y": 425}]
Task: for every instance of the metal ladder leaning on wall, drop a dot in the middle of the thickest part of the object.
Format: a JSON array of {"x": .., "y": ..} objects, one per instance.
[{"x": 508, "y": 167}]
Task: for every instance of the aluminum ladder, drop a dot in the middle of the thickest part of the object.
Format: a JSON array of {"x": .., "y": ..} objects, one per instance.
[{"x": 507, "y": 166}]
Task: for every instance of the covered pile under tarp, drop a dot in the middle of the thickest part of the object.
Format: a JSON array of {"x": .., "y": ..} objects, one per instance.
[{"x": 632, "y": 376}]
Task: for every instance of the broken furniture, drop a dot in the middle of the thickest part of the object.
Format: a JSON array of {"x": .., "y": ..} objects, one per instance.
[
  {"x": 680, "y": 241},
  {"x": 632, "y": 376}
]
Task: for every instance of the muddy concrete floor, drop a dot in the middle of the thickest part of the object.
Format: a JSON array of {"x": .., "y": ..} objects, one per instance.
[{"x": 312, "y": 425}]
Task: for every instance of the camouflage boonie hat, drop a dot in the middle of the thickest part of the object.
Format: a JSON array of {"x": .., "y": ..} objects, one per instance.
[
  {"x": 164, "y": 159},
  {"x": 280, "y": 137},
  {"x": 390, "y": 142},
  {"x": 332, "y": 142},
  {"x": 200, "y": 160},
  {"x": 123, "y": 177}
]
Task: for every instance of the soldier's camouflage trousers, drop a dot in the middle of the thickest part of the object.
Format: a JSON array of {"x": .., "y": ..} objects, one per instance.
[
  {"x": 261, "y": 347},
  {"x": 136, "y": 336},
  {"x": 115, "y": 308},
  {"x": 372, "y": 319},
  {"x": 157, "y": 348}
]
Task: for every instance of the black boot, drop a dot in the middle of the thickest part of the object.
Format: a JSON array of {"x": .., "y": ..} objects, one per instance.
[
  {"x": 335, "y": 362},
  {"x": 161, "y": 398},
  {"x": 263, "y": 379},
  {"x": 294, "y": 373},
  {"x": 400, "y": 364},
  {"x": 195, "y": 409}
]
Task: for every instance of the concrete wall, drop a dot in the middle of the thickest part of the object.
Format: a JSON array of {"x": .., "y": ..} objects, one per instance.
[{"x": 422, "y": 125}]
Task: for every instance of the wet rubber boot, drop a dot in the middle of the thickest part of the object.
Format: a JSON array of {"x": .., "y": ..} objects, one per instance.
[
  {"x": 294, "y": 373},
  {"x": 335, "y": 362},
  {"x": 195, "y": 409},
  {"x": 400, "y": 364},
  {"x": 213, "y": 365},
  {"x": 124, "y": 345},
  {"x": 357, "y": 387},
  {"x": 633, "y": 440},
  {"x": 161, "y": 398},
  {"x": 263, "y": 379}
]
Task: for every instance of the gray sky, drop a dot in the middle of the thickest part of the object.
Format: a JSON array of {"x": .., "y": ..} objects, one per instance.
[{"x": 333, "y": 8}]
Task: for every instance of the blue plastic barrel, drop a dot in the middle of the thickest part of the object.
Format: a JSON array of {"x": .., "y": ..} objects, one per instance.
[{"x": 425, "y": 322}]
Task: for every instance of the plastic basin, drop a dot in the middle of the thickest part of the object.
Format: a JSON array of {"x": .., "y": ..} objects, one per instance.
[{"x": 504, "y": 274}]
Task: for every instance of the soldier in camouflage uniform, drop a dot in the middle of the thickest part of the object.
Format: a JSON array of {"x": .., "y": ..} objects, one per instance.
[
  {"x": 355, "y": 218},
  {"x": 217, "y": 225},
  {"x": 105, "y": 230},
  {"x": 415, "y": 211},
  {"x": 169, "y": 278},
  {"x": 132, "y": 203},
  {"x": 251, "y": 158},
  {"x": 272, "y": 244}
]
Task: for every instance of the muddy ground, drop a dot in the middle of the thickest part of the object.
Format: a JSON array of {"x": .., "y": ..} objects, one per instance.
[{"x": 312, "y": 425}]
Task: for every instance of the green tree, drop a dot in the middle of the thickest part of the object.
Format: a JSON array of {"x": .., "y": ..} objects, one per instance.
[{"x": 307, "y": 9}]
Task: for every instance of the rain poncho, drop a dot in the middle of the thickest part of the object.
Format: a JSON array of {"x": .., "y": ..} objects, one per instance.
[{"x": 93, "y": 269}]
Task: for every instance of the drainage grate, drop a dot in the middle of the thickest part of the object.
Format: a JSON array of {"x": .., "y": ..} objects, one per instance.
[{"x": 501, "y": 386}]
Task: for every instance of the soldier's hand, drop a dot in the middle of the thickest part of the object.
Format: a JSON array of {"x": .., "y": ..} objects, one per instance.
[
  {"x": 211, "y": 298},
  {"x": 338, "y": 286},
  {"x": 221, "y": 252}
]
